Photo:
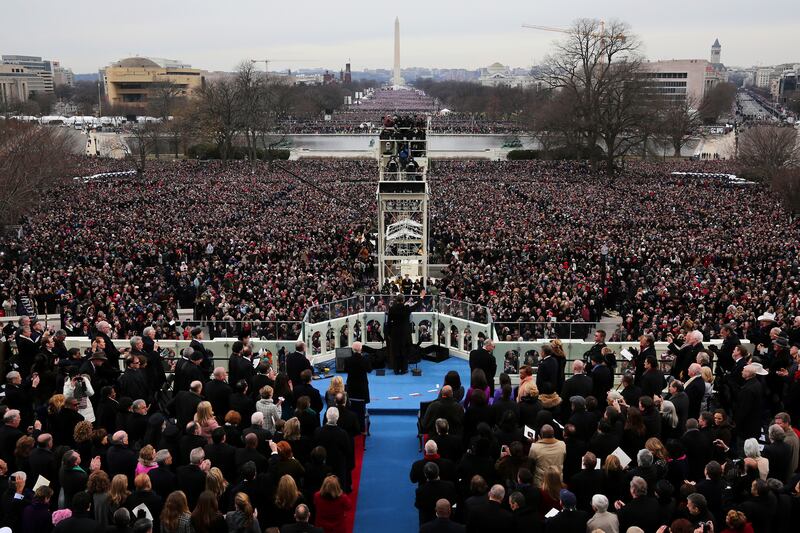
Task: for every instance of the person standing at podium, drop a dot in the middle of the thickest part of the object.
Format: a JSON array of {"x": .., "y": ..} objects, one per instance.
[{"x": 398, "y": 330}]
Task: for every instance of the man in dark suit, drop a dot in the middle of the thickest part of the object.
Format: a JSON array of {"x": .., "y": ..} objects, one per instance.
[
  {"x": 357, "y": 367},
  {"x": 184, "y": 404},
  {"x": 26, "y": 351},
  {"x": 348, "y": 419},
  {"x": 9, "y": 434},
  {"x": 587, "y": 482},
  {"x": 221, "y": 454},
  {"x": 111, "y": 351},
  {"x": 680, "y": 400},
  {"x": 695, "y": 389},
  {"x": 749, "y": 403},
  {"x": 585, "y": 422},
  {"x": 652, "y": 381},
  {"x": 338, "y": 445},
  {"x": 239, "y": 367},
  {"x": 579, "y": 384},
  {"x": 42, "y": 461},
  {"x": 162, "y": 478},
  {"x": 191, "y": 478},
  {"x": 188, "y": 369},
  {"x": 305, "y": 388},
  {"x": 597, "y": 347},
  {"x": 686, "y": 354},
  {"x": 197, "y": 345},
  {"x": 641, "y": 511},
  {"x": 602, "y": 378},
  {"x": 398, "y": 329},
  {"x": 442, "y": 522},
  {"x": 548, "y": 368},
  {"x": 218, "y": 392},
  {"x": 445, "y": 407},
  {"x": 120, "y": 458},
  {"x": 250, "y": 453},
  {"x": 301, "y": 525},
  {"x": 698, "y": 450},
  {"x": 483, "y": 358},
  {"x": 18, "y": 395},
  {"x": 430, "y": 492},
  {"x": 491, "y": 516},
  {"x": 569, "y": 519},
  {"x": 296, "y": 362},
  {"x": 646, "y": 349},
  {"x": 779, "y": 454},
  {"x": 724, "y": 352}
]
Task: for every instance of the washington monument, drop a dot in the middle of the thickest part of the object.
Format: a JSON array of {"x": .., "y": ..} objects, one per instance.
[{"x": 397, "y": 81}]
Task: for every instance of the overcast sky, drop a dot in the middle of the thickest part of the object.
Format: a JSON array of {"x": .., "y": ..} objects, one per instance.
[{"x": 216, "y": 34}]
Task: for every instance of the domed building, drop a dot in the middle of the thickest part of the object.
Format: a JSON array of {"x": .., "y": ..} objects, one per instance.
[{"x": 131, "y": 81}]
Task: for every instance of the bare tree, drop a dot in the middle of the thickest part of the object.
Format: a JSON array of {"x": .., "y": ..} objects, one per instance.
[
  {"x": 786, "y": 183},
  {"x": 597, "y": 65},
  {"x": 717, "y": 101},
  {"x": 143, "y": 140},
  {"x": 679, "y": 121},
  {"x": 33, "y": 160},
  {"x": 768, "y": 149},
  {"x": 217, "y": 108}
]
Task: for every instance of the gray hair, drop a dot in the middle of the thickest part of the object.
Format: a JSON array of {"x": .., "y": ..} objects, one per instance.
[
  {"x": 600, "y": 503},
  {"x": 187, "y": 352},
  {"x": 669, "y": 413},
  {"x": 135, "y": 340},
  {"x": 751, "y": 448},
  {"x": 162, "y": 456},
  {"x": 20, "y": 475},
  {"x": 257, "y": 419},
  {"x": 332, "y": 416},
  {"x": 638, "y": 486},
  {"x": 644, "y": 457},
  {"x": 138, "y": 404},
  {"x": 13, "y": 375},
  {"x": 148, "y": 330},
  {"x": 11, "y": 415},
  {"x": 497, "y": 493},
  {"x": 431, "y": 447},
  {"x": 103, "y": 326},
  {"x": 196, "y": 456},
  {"x": 776, "y": 433},
  {"x": 696, "y": 334}
]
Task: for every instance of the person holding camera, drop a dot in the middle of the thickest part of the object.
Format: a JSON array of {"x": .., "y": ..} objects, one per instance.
[{"x": 79, "y": 387}]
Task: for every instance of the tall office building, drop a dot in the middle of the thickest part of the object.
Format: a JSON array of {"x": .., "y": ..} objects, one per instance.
[{"x": 41, "y": 67}]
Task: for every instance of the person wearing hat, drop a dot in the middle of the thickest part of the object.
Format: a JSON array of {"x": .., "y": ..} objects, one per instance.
[
  {"x": 759, "y": 337},
  {"x": 99, "y": 372},
  {"x": 570, "y": 519},
  {"x": 749, "y": 403},
  {"x": 198, "y": 347},
  {"x": 189, "y": 369}
]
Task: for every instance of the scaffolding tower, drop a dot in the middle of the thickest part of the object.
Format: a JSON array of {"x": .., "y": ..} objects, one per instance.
[{"x": 403, "y": 201}]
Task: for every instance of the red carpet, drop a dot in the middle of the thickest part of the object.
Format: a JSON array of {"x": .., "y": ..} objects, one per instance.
[{"x": 359, "y": 453}]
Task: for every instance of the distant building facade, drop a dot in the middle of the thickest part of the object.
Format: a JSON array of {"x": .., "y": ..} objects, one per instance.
[
  {"x": 132, "y": 81},
  {"x": 18, "y": 83},
  {"x": 62, "y": 76},
  {"x": 41, "y": 67},
  {"x": 499, "y": 75},
  {"x": 682, "y": 78}
]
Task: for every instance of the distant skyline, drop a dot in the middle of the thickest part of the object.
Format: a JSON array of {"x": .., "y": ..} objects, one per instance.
[{"x": 212, "y": 35}]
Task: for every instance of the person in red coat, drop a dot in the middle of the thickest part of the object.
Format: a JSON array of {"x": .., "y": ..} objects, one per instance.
[{"x": 332, "y": 506}]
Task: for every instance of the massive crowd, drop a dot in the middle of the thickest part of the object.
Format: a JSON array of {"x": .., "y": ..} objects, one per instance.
[
  {"x": 650, "y": 456},
  {"x": 85, "y": 447},
  {"x": 242, "y": 243}
]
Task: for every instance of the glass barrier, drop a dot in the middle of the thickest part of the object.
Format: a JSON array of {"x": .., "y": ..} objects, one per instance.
[
  {"x": 258, "y": 329},
  {"x": 530, "y": 331},
  {"x": 380, "y": 303}
]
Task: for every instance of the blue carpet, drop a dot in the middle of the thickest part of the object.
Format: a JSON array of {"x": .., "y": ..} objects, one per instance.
[
  {"x": 401, "y": 388},
  {"x": 386, "y": 496}
]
